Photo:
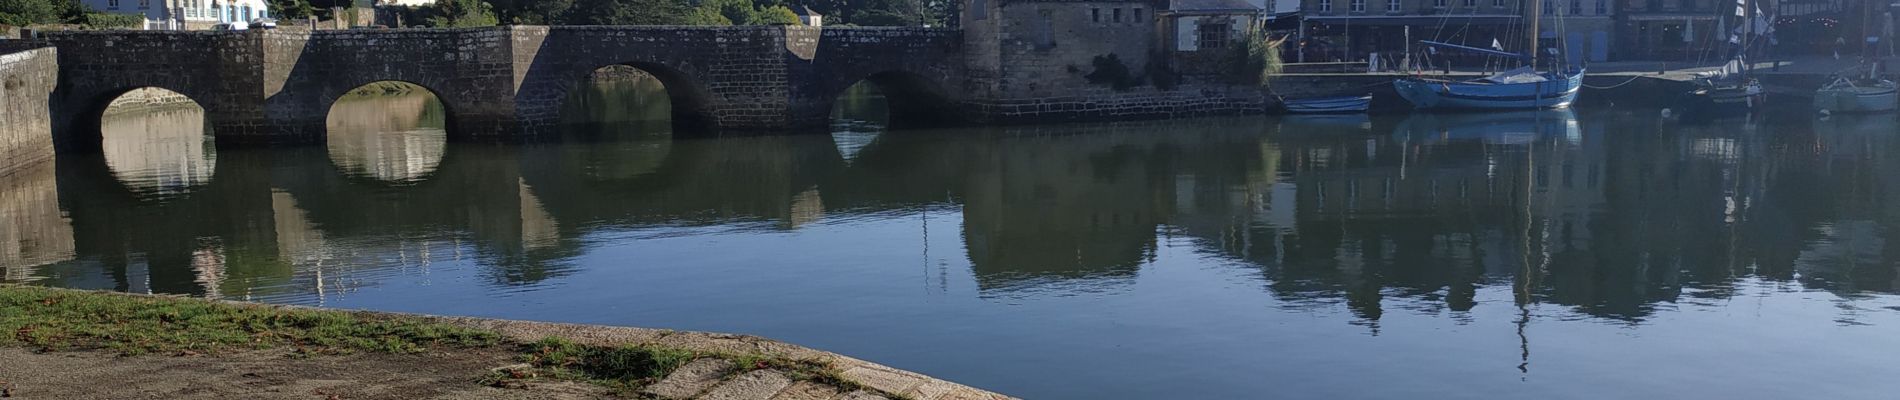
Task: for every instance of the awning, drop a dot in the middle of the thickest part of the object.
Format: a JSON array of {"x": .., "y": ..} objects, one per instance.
[
  {"x": 1449, "y": 20},
  {"x": 1669, "y": 17}
]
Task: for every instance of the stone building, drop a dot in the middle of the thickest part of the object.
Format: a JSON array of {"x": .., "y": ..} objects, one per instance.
[
  {"x": 1583, "y": 27},
  {"x": 1104, "y": 59},
  {"x": 185, "y": 14},
  {"x": 1674, "y": 30},
  {"x": 1354, "y": 30},
  {"x": 1194, "y": 25}
]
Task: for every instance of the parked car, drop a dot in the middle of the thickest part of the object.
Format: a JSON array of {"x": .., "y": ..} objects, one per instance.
[
  {"x": 232, "y": 26},
  {"x": 264, "y": 23}
]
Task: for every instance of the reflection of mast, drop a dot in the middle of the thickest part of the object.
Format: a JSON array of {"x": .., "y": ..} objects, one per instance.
[{"x": 1522, "y": 288}]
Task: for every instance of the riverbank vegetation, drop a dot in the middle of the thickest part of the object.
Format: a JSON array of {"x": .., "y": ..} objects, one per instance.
[
  {"x": 42, "y": 12},
  {"x": 56, "y": 320},
  {"x": 60, "y": 320}
]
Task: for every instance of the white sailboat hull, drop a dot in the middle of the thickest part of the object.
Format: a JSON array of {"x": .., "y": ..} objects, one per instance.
[{"x": 1857, "y": 99}]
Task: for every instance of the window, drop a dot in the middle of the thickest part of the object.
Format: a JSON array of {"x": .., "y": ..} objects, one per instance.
[
  {"x": 1045, "y": 37},
  {"x": 979, "y": 10},
  {"x": 1214, "y": 35},
  {"x": 1471, "y": 3},
  {"x": 1325, "y": 6},
  {"x": 1497, "y": 3},
  {"x": 1550, "y": 7},
  {"x": 1095, "y": 14},
  {"x": 1576, "y": 7},
  {"x": 112, "y": 4},
  {"x": 1438, "y": 3},
  {"x": 1137, "y": 16},
  {"x": 1118, "y": 15},
  {"x": 1603, "y": 7},
  {"x": 144, "y": 4},
  {"x": 1359, "y": 6},
  {"x": 1392, "y": 5}
]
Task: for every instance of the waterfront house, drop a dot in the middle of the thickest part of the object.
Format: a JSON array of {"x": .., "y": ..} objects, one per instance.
[
  {"x": 1354, "y": 30},
  {"x": 185, "y": 14},
  {"x": 1197, "y": 25},
  {"x": 808, "y": 16},
  {"x": 1671, "y": 30}
]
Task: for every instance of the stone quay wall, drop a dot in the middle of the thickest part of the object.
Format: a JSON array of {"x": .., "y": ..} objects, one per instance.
[{"x": 27, "y": 73}]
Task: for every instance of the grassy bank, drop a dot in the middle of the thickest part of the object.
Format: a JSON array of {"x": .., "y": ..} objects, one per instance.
[{"x": 60, "y": 320}]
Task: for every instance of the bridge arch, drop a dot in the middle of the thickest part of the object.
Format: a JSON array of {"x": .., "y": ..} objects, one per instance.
[
  {"x": 336, "y": 92},
  {"x": 153, "y": 141},
  {"x": 392, "y": 132},
  {"x": 689, "y": 105},
  {"x": 911, "y": 99},
  {"x": 83, "y": 116}
]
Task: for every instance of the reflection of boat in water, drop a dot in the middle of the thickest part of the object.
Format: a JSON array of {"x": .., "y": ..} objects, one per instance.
[
  {"x": 1512, "y": 127},
  {"x": 1851, "y": 96},
  {"x": 1328, "y": 105},
  {"x": 1318, "y": 124}
]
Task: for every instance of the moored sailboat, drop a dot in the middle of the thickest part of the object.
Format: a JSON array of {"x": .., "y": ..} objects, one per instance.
[
  {"x": 1730, "y": 92},
  {"x": 1846, "y": 95},
  {"x": 1517, "y": 89}
]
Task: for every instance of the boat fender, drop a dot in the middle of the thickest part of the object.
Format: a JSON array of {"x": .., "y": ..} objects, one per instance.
[{"x": 1666, "y": 113}]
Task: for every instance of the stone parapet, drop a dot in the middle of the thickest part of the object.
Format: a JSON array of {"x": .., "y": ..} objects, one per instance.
[{"x": 27, "y": 73}]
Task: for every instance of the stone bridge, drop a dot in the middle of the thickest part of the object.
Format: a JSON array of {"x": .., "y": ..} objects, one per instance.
[{"x": 277, "y": 86}]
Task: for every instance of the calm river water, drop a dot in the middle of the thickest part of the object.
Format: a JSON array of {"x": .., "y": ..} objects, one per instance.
[{"x": 1581, "y": 254}]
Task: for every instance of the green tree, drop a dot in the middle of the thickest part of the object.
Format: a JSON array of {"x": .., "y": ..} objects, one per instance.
[
  {"x": 627, "y": 12},
  {"x": 29, "y": 12},
  {"x": 776, "y": 15},
  {"x": 291, "y": 9},
  {"x": 706, "y": 16},
  {"x": 463, "y": 14}
]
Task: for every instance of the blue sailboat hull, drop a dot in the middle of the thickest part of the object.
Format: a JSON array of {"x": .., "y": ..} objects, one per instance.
[{"x": 1558, "y": 90}]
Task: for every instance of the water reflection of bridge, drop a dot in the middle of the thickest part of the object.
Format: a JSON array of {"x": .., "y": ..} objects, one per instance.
[{"x": 1372, "y": 220}]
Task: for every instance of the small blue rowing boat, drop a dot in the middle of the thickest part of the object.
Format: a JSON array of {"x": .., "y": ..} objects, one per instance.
[{"x": 1328, "y": 105}]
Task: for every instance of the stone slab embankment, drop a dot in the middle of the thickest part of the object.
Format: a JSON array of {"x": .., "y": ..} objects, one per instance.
[{"x": 28, "y": 71}]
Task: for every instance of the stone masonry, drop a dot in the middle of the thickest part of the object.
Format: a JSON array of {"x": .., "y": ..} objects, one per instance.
[
  {"x": 276, "y": 86},
  {"x": 27, "y": 73},
  {"x": 1013, "y": 61}
]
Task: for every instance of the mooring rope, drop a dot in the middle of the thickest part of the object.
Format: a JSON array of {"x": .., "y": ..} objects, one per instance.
[{"x": 1632, "y": 79}]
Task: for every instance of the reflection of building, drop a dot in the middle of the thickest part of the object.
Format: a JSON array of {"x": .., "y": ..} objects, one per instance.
[
  {"x": 1033, "y": 212},
  {"x": 35, "y": 232}
]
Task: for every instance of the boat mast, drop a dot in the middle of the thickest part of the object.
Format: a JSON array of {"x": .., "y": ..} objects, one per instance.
[
  {"x": 1748, "y": 33},
  {"x": 1537, "y": 12}
]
